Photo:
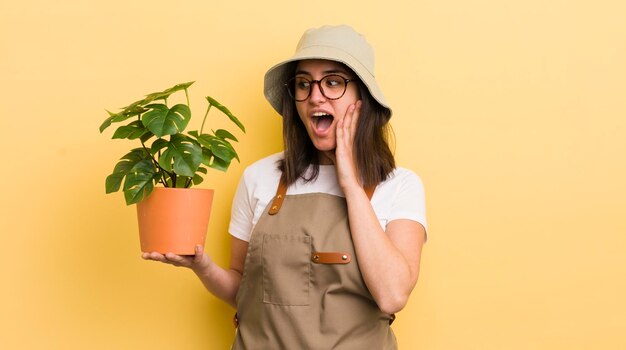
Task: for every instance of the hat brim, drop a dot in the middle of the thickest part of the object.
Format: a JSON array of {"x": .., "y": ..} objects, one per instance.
[{"x": 276, "y": 76}]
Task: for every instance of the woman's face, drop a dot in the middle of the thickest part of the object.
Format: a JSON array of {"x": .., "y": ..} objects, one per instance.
[{"x": 318, "y": 113}]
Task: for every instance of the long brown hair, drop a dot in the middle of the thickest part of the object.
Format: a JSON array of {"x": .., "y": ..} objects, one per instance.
[{"x": 374, "y": 159}]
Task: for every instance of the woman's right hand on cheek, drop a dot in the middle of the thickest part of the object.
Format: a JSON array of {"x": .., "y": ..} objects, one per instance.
[{"x": 197, "y": 262}]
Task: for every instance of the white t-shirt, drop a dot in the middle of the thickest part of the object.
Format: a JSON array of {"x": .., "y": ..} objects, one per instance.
[{"x": 401, "y": 196}]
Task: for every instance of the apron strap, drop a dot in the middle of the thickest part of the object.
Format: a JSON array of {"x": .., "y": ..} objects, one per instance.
[{"x": 281, "y": 192}]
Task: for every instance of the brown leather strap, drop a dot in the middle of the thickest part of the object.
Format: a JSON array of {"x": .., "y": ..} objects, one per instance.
[
  {"x": 393, "y": 318},
  {"x": 331, "y": 258},
  {"x": 281, "y": 192},
  {"x": 369, "y": 191}
]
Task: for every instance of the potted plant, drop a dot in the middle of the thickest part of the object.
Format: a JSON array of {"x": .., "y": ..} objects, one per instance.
[{"x": 174, "y": 217}]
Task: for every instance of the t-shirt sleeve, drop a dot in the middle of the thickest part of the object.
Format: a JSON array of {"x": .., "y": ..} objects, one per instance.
[
  {"x": 242, "y": 212},
  {"x": 409, "y": 201}
]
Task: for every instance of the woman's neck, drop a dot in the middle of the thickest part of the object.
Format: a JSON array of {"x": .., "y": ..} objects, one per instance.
[{"x": 326, "y": 157}]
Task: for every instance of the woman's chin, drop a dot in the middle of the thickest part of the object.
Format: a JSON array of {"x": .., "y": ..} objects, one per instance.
[{"x": 325, "y": 146}]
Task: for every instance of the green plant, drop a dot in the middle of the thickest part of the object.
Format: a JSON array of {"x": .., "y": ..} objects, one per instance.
[{"x": 172, "y": 158}]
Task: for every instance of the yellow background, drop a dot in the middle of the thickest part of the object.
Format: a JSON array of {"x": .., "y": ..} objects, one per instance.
[{"x": 512, "y": 112}]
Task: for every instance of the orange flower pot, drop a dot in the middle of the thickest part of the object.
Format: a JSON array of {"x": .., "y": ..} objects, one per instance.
[{"x": 174, "y": 220}]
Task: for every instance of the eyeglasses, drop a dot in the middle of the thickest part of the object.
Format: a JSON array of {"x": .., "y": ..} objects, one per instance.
[{"x": 332, "y": 87}]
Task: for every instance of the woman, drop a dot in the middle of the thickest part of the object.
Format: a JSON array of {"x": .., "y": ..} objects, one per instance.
[{"x": 327, "y": 235}]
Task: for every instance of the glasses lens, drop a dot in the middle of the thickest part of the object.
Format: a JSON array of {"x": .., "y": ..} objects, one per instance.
[
  {"x": 333, "y": 86},
  {"x": 299, "y": 88}
]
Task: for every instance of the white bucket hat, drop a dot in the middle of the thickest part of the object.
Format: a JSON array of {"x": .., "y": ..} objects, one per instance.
[{"x": 336, "y": 43}]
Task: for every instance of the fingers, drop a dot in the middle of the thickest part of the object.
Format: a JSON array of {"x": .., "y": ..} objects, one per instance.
[
  {"x": 356, "y": 114},
  {"x": 177, "y": 260},
  {"x": 197, "y": 261},
  {"x": 346, "y": 126},
  {"x": 197, "y": 258},
  {"x": 168, "y": 258}
]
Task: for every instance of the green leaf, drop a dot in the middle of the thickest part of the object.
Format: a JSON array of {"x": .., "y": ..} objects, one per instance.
[
  {"x": 126, "y": 113},
  {"x": 161, "y": 120},
  {"x": 182, "y": 155},
  {"x": 161, "y": 95},
  {"x": 223, "y": 151},
  {"x": 225, "y": 110},
  {"x": 137, "y": 107},
  {"x": 158, "y": 145},
  {"x": 166, "y": 93},
  {"x": 140, "y": 181},
  {"x": 178, "y": 87},
  {"x": 223, "y": 134},
  {"x": 147, "y": 136},
  {"x": 219, "y": 164},
  {"x": 197, "y": 178},
  {"x": 127, "y": 162},
  {"x": 107, "y": 122},
  {"x": 181, "y": 181},
  {"x": 113, "y": 182},
  {"x": 131, "y": 131},
  {"x": 206, "y": 156},
  {"x": 218, "y": 147}
]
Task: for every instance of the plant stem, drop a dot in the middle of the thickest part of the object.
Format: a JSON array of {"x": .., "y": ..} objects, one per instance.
[
  {"x": 187, "y": 95},
  {"x": 156, "y": 164},
  {"x": 204, "y": 120}
]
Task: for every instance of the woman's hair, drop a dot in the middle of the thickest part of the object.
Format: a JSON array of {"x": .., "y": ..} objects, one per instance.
[{"x": 374, "y": 159}]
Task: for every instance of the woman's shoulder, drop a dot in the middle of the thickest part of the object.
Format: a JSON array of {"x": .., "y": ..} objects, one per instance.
[
  {"x": 263, "y": 173},
  {"x": 400, "y": 183},
  {"x": 403, "y": 175}
]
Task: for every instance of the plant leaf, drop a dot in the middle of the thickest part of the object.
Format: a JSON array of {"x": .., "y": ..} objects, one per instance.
[
  {"x": 139, "y": 181},
  {"x": 131, "y": 131},
  {"x": 225, "y": 110},
  {"x": 219, "y": 164},
  {"x": 147, "y": 136},
  {"x": 127, "y": 162},
  {"x": 182, "y": 155},
  {"x": 197, "y": 178},
  {"x": 158, "y": 145},
  {"x": 161, "y": 95},
  {"x": 128, "y": 112},
  {"x": 218, "y": 147},
  {"x": 223, "y": 134},
  {"x": 181, "y": 181},
  {"x": 107, "y": 122},
  {"x": 161, "y": 120},
  {"x": 166, "y": 93}
]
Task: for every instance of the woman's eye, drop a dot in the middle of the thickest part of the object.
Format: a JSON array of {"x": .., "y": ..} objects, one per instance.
[
  {"x": 333, "y": 82},
  {"x": 302, "y": 84}
]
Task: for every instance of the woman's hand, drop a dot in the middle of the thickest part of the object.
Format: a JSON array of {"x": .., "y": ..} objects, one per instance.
[
  {"x": 347, "y": 172},
  {"x": 223, "y": 283},
  {"x": 198, "y": 262}
]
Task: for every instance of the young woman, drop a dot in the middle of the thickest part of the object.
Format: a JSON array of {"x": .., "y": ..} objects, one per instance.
[{"x": 327, "y": 235}]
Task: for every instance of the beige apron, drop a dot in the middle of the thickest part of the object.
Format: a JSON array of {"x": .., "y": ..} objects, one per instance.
[{"x": 301, "y": 286}]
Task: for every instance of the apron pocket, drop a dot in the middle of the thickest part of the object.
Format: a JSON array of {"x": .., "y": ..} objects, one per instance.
[{"x": 286, "y": 269}]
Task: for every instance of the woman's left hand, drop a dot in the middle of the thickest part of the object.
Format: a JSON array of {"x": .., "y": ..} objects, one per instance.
[{"x": 345, "y": 161}]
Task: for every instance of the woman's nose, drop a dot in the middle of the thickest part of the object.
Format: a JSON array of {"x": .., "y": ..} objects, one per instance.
[{"x": 316, "y": 93}]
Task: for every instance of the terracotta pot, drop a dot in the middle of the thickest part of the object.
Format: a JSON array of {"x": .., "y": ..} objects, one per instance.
[{"x": 174, "y": 220}]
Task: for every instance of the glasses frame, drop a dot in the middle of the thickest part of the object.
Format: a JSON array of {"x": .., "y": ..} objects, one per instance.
[{"x": 291, "y": 82}]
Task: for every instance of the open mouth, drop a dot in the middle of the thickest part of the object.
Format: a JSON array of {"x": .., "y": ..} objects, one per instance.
[{"x": 322, "y": 121}]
